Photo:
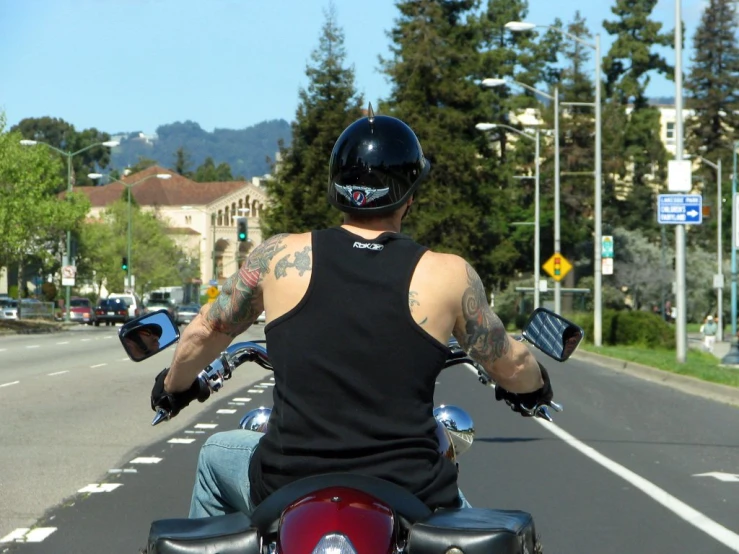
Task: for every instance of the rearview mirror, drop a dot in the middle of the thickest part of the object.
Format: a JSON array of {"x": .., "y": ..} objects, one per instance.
[
  {"x": 148, "y": 334},
  {"x": 554, "y": 335}
]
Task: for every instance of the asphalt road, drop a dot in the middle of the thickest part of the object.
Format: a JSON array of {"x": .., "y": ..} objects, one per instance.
[{"x": 628, "y": 485}]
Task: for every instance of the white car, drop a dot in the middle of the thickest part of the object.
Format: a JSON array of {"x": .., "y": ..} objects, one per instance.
[{"x": 135, "y": 306}]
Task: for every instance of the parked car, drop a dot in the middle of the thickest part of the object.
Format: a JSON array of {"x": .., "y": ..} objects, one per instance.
[
  {"x": 81, "y": 310},
  {"x": 112, "y": 311},
  {"x": 135, "y": 305},
  {"x": 8, "y": 308},
  {"x": 156, "y": 305},
  {"x": 185, "y": 313}
]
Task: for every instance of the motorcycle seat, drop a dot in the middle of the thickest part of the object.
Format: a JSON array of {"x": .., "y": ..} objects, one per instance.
[
  {"x": 266, "y": 516},
  {"x": 227, "y": 534}
]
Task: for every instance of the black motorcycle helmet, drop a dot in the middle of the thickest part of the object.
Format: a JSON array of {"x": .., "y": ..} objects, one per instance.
[{"x": 376, "y": 165}]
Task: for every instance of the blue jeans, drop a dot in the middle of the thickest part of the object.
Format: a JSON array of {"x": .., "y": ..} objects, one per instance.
[{"x": 222, "y": 481}]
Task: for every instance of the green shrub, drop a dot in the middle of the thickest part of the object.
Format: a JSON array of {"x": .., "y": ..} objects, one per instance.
[
  {"x": 521, "y": 320},
  {"x": 623, "y": 327}
]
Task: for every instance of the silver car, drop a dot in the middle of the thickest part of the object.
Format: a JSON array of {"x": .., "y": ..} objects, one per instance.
[{"x": 185, "y": 313}]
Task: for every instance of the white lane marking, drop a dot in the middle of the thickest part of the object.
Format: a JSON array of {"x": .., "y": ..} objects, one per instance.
[
  {"x": 226, "y": 412},
  {"x": 101, "y": 487},
  {"x": 85, "y": 340},
  {"x": 271, "y": 378},
  {"x": 237, "y": 403},
  {"x": 181, "y": 441},
  {"x": 24, "y": 534},
  {"x": 97, "y": 365},
  {"x": 34, "y": 346},
  {"x": 8, "y": 384},
  {"x": 678, "y": 507},
  {"x": 17, "y": 534},
  {"x": 123, "y": 471},
  {"x": 241, "y": 399},
  {"x": 125, "y": 360},
  {"x": 65, "y": 342},
  {"x": 150, "y": 460},
  {"x": 188, "y": 432},
  {"x": 107, "y": 338},
  {"x": 262, "y": 386},
  {"x": 58, "y": 373},
  {"x": 256, "y": 391},
  {"x": 39, "y": 534},
  {"x": 206, "y": 426},
  {"x": 725, "y": 477},
  {"x": 3, "y": 349}
]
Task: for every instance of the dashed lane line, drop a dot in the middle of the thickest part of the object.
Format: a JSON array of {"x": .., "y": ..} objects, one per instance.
[
  {"x": 34, "y": 346},
  {"x": 8, "y": 384},
  {"x": 58, "y": 373},
  {"x": 25, "y": 534},
  {"x": 97, "y": 365}
]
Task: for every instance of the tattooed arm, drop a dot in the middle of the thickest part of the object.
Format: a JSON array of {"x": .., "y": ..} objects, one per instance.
[
  {"x": 482, "y": 334},
  {"x": 217, "y": 324}
]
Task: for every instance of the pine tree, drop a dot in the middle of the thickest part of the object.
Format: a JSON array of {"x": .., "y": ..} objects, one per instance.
[
  {"x": 464, "y": 206},
  {"x": 712, "y": 87},
  {"x": 628, "y": 66},
  {"x": 328, "y": 105}
]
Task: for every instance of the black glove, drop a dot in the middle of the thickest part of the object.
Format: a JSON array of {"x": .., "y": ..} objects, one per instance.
[
  {"x": 541, "y": 396},
  {"x": 175, "y": 402}
]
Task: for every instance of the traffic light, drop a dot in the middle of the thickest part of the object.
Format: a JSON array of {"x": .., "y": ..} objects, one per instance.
[
  {"x": 241, "y": 228},
  {"x": 124, "y": 263}
]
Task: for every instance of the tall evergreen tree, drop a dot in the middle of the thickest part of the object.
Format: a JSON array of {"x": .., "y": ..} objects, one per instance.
[
  {"x": 712, "y": 87},
  {"x": 328, "y": 105},
  {"x": 628, "y": 66},
  {"x": 463, "y": 207},
  {"x": 182, "y": 162}
]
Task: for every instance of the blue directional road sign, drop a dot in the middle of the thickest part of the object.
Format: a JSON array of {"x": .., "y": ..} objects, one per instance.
[{"x": 680, "y": 209}]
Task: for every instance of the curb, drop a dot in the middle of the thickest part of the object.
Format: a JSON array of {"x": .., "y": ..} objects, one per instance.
[{"x": 690, "y": 385}]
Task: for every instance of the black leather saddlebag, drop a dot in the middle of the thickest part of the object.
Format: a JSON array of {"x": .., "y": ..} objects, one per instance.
[
  {"x": 474, "y": 531},
  {"x": 229, "y": 534}
]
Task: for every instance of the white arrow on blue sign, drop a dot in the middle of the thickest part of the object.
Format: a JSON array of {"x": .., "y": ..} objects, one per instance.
[{"x": 680, "y": 209}]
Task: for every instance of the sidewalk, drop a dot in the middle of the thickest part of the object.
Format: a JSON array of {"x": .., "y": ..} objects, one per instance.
[{"x": 720, "y": 349}]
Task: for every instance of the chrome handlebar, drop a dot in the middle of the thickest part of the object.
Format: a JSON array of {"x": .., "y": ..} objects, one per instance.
[
  {"x": 221, "y": 369},
  {"x": 212, "y": 378}
]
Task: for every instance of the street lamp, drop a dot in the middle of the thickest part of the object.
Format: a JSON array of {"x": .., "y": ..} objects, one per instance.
[
  {"x": 490, "y": 83},
  {"x": 128, "y": 189},
  {"x": 521, "y": 26},
  {"x": 719, "y": 251},
  {"x": 69, "y": 156},
  {"x": 537, "y": 245}
]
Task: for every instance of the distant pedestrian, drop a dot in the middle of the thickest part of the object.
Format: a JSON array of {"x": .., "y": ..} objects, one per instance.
[{"x": 708, "y": 330}]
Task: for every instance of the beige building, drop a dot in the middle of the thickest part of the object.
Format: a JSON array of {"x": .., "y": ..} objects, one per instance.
[{"x": 201, "y": 216}]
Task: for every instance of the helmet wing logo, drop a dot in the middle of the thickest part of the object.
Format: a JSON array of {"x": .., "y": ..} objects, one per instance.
[{"x": 359, "y": 196}]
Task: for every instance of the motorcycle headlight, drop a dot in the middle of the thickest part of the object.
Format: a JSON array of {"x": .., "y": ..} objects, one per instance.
[{"x": 335, "y": 543}]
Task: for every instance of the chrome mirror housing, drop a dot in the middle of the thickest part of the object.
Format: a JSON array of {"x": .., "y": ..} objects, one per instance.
[
  {"x": 256, "y": 420},
  {"x": 459, "y": 424}
]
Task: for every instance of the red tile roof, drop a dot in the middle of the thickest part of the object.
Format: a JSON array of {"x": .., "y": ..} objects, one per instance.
[{"x": 175, "y": 191}]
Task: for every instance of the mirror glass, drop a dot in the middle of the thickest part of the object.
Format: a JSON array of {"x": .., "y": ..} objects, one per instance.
[
  {"x": 148, "y": 334},
  {"x": 459, "y": 425},
  {"x": 551, "y": 333}
]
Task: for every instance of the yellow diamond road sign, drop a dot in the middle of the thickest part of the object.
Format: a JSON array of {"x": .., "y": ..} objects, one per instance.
[{"x": 557, "y": 266}]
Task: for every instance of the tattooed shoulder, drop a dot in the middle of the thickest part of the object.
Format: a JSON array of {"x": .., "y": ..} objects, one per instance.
[
  {"x": 484, "y": 335},
  {"x": 240, "y": 301},
  {"x": 301, "y": 262}
]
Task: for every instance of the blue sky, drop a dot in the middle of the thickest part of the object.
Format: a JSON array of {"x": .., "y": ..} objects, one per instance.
[{"x": 129, "y": 65}]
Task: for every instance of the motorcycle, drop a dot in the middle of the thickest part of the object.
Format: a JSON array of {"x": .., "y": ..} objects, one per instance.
[{"x": 348, "y": 513}]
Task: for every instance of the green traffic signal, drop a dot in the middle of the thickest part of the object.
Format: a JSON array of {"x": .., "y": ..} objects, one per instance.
[{"x": 124, "y": 264}]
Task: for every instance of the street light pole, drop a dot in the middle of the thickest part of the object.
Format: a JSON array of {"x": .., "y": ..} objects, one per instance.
[
  {"x": 537, "y": 240},
  {"x": 521, "y": 26},
  {"x": 491, "y": 82},
  {"x": 69, "y": 156},
  {"x": 719, "y": 248},
  {"x": 680, "y": 295},
  {"x": 129, "y": 186}
]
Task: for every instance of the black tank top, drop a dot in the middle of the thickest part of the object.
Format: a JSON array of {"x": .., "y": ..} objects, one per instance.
[{"x": 354, "y": 375}]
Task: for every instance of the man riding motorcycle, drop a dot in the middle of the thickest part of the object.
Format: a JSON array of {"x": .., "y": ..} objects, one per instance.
[{"x": 358, "y": 322}]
